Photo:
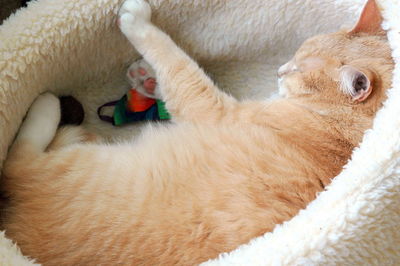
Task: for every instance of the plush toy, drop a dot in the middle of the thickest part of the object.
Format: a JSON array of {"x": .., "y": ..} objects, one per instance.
[{"x": 142, "y": 102}]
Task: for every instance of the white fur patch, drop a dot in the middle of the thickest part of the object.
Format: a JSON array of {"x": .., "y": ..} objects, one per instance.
[
  {"x": 282, "y": 88},
  {"x": 41, "y": 122},
  {"x": 134, "y": 15}
]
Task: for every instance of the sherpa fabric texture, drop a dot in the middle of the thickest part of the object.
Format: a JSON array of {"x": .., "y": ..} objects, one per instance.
[{"x": 74, "y": 47}]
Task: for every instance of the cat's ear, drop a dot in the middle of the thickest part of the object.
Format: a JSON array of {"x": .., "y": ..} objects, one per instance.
[
  {"x": 355, "y": 83},
  {"x": 370, "y": 20}
]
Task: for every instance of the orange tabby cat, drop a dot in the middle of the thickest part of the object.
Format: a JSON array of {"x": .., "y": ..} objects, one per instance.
[{"x": 222, "y": 174}]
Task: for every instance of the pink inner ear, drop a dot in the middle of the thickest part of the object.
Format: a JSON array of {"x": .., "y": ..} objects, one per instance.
[
  {"x": 362, "y": 96},
  {"x": 370, "y": 20}
]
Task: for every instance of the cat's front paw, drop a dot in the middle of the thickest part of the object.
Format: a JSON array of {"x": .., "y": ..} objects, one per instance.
[{"x": 133, "y": 15}]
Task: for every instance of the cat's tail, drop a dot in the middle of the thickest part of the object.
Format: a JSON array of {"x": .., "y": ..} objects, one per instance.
[{"x": 40, "y": 125}]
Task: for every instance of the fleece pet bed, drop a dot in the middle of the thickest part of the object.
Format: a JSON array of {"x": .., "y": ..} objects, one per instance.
[{"x": 74, "y": 47}]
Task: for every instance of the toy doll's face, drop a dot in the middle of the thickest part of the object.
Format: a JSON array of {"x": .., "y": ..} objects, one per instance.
[{"x": 142, "y": 78}]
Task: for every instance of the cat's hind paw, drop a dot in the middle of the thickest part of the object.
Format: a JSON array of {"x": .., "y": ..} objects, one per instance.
[
  {"x": 46, "y": 110},
  {"x": 41, "y": 121}
]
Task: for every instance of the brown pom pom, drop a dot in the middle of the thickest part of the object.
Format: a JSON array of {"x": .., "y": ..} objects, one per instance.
[{"x": 72, "y": 112}]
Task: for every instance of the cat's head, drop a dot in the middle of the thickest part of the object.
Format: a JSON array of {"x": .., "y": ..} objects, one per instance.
[{"x": 349, "y": 67}]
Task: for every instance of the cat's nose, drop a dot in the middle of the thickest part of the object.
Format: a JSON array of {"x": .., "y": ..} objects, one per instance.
[{"x": 285, "y": 69}]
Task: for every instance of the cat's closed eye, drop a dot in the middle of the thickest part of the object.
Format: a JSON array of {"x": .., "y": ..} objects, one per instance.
[{"x": 302, "y": 65}]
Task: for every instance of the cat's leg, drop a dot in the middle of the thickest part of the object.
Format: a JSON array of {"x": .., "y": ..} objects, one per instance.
[
  {"x": 188, "y": 92},
  {"x": 27, "y": 154},
  {"x": 39, "y": 132},
  {"x": 69, "y": 135},
  {"x": 28, "y": 160}
]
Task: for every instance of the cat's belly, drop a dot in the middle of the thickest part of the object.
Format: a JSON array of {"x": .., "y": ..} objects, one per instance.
[
  {"x": 203, "y": 190},
  {"x": 187, "y": 152}
]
